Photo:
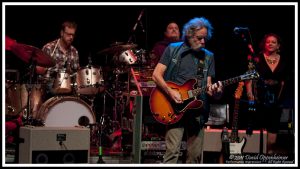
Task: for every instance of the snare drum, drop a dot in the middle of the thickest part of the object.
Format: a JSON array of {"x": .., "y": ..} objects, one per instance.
[
  {"x": 62, "y": 83},
  {"x": 89, "y": 80},
  {"x": 66, "y": 111}
]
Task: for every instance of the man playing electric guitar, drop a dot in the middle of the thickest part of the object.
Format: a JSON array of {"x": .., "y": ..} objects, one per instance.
[{"x": 181, "y": 62}]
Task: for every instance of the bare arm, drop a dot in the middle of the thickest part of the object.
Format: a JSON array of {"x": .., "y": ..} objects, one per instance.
[
  {"x": 158, "y": 77},
  {"x": 249, "y": 90}
]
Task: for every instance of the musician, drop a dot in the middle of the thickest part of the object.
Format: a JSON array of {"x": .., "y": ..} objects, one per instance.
[
  {"x": 63, "y": 52},
  {"x": 267, "y": 92},
  {"x": 171, "y": 34},
  {"x": 180, "y": 62}
]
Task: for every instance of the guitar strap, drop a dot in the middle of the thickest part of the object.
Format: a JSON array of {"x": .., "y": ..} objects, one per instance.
[
  {"x": 200, "y": 68},
  {"x": 201, "y": 64},
  {"x": 174, "y": 61}
]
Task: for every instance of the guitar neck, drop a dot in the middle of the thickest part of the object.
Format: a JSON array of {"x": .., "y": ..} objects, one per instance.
[
  {"x": 231, "y": 81},
  {"x": 227, "y": 82},
  {"x": 234, "y": 133},
  {"x": 238, "y": 93}
]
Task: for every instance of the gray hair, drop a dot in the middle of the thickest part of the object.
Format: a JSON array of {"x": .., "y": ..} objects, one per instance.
[{"x": 195, "y": 24}]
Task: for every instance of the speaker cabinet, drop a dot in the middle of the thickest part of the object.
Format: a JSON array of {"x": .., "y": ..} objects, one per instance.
[
  {"x": 54, "y": 145},
  {"x": 213, "y": 142}
]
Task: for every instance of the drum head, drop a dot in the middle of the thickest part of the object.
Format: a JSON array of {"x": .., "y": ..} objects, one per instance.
[{"x": 66, "y": 112}]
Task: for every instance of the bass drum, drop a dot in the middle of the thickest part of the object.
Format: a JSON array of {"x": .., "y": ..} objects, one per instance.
[{"x": 66, "y": 111}]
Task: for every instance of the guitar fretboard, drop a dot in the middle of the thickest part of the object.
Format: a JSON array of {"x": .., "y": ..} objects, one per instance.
[
  {"x": 234, "y": 133},
  {"x": 227, "y": 82},
  {"x": 249, "y": 75}
]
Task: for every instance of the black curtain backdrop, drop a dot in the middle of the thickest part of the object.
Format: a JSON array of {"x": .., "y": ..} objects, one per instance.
[{"x": 101, "y": 25}]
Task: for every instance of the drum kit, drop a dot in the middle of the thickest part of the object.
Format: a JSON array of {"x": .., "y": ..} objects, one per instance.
[{"x": 69, "y": 107}]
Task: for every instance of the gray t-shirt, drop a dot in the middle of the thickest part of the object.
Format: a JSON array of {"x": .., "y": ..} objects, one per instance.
[{"x": 187, "y": 64}]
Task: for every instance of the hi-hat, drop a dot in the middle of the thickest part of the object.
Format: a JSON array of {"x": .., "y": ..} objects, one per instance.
[
  {"x": 30, "y": 53},
  {"x": 117, "y": 48}
]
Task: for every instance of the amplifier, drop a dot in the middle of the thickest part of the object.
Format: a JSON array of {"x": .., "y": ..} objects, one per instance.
[
  {"x": 153, "y": 151},
  {"x": 213, "y": 142},
  {"x": 156, "y": 156},
  {"x": 158, "y": 145},
  {"x": 54, "y": 145}
]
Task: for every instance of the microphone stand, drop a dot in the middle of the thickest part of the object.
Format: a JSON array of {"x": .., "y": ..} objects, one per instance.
[
  {"x": 135, "y": 25},
  {"x": 251, "y": 67}
]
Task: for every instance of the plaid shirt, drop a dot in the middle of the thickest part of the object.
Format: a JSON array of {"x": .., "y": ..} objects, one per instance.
[{"x": 69, "y": 59}]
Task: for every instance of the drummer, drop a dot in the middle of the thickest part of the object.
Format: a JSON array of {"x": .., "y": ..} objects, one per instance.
[{"x": 63, "y": 52}]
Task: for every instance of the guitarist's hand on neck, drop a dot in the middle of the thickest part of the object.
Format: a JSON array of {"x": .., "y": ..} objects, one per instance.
[{"x": 215, "y": 90}]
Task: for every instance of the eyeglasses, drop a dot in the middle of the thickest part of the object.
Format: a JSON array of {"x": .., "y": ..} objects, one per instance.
[
  {"x": 201, "y": 37},
  {"x": 69, "y": 34}
]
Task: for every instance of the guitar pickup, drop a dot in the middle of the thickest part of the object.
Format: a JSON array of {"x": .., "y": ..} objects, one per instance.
[{"x": 190, "y": 93}]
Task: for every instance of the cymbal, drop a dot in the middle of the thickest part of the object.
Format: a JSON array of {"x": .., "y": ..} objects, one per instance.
[
  {"x": 9, "y": 42},
  {"x": 117, "y": 48},
  {"x": 27, "y": 52}
]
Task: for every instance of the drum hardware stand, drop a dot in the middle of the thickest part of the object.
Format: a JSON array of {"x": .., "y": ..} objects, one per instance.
[
  {"x": 139, "y": 54},
  {"x": 100, "y": 131},
  {"x": 20, "y": 81},
  {"x": 90, "y": 62},
  {"x": 28, "y": 112},
  {"x": 120, "y": 105},
  {"x": 29, "y": 89},
  {"x": 117, "y": 93}
]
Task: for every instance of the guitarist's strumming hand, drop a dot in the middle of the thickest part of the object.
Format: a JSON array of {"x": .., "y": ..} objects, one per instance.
[
  {"x": 175, "y": 95},
  {"x": 215, "y": 90}
]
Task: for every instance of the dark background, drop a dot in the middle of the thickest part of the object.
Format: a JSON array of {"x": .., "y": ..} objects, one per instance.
[{"x": 99, "y": 26}]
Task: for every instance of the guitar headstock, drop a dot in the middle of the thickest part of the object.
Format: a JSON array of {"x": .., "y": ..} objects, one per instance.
[
  {"x": 239, "y": 90},
  {"x": 251, "y": 74}
]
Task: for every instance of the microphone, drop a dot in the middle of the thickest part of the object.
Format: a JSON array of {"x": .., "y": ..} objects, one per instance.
[
  {"x": 141, "y": 14},
  {"x": 138, "y": 20},
  {"x": 136, "y": 23},
  {"x": 240, "y": 29}
]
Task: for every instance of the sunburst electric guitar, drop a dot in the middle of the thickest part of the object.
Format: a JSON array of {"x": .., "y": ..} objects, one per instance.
[
  {"x": 236, "y": 146},
  {"x": 167, "y": 112}
]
